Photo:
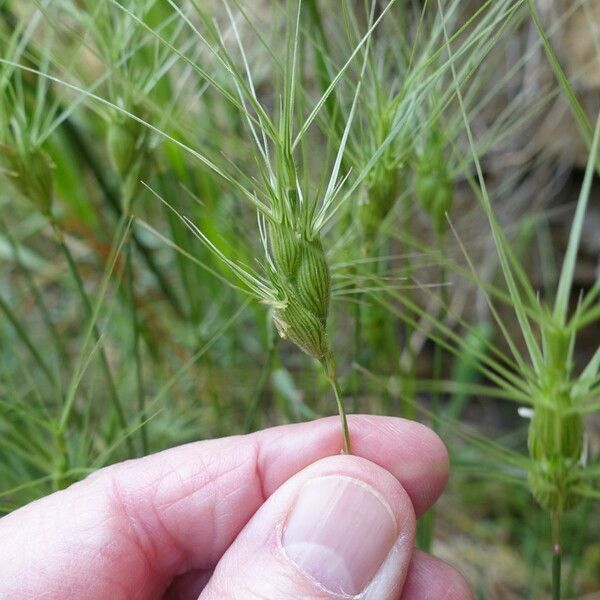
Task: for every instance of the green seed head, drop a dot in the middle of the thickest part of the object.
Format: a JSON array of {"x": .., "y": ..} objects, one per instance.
[
  {"x": 555, "y": 446},
  {"x": 301, "y": 276},
  {"x": 301, "y": 326},
  {"x": 31, "y": 172},
  {"x": 127, "y": 143},
  {"x": 382, "y": 186},
  {"x": 123, "y": 143},
  {"x": 433, "y": 184},
  {"x": 556, "y": 433}
]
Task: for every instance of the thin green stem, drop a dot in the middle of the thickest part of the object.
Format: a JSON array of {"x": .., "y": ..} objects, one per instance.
[
  {"x": 556, "y": 557},
  {"x": 20, "y": 330},
  {"x": 438, "y": 350},
  {"x": 357, "y": 352},
  {"x": 425, "y": 530},
  {"x": 141, "y": 390},
  {"x": 390, "y": 343},
  {"x": 407, "y": 359},
  {"x": 35, "y": 292},
  {"x": 577, "y": 546},
  {"x": 406, "y": 371},
  {"x": 556, "y": 568},
  {"x": 112, "y": 388},
  {"x": 329, "y": 367},
  {"x": 427, "y": 522},
  {"x": 59, "y": 480},
  {"x": 437, "y": 375}
]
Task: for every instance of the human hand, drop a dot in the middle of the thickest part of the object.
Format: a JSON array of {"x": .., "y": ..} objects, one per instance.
[{"x": 272, "y": 515}]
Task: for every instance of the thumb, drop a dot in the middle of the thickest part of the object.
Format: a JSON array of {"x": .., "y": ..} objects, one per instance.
[{"x": 341, "y": 527}]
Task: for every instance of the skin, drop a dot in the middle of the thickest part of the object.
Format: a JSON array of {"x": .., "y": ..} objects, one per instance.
[{"x": 200, "y": 520}]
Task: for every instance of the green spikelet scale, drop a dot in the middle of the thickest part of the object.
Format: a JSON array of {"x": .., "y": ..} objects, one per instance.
[
  {"x": 301, "y": 326},
  {"x": 285, "y": 249},
  {"x": 122, "y": 144},
  {"x": 302, "y": 277},
  {"x": 553, "y": 436},
  {"x": 555, "y": 446},
  {"x": 313, "y": 280},
  {"x": 556, "y": 434}
]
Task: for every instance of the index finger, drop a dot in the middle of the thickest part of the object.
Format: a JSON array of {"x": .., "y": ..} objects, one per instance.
[{"x": 137, "y": 524}]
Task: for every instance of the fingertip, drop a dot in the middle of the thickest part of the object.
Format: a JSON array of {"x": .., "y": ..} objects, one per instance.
[
  {"x": 411, "y": 451},
  {"x": 430, "y": 578}
]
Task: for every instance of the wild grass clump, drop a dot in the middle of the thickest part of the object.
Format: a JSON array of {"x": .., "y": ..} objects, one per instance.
[{"x": 556, "y": 440}]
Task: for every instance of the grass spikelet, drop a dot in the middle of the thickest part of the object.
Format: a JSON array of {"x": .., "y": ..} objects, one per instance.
[
  {"x": 30, "y": 171},
  {"x": 434, "y": 187},
  {"x": 556, "y": 434}
]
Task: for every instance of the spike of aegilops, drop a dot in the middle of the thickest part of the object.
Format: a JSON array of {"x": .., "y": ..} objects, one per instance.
[
  {"x": 433, "y": 185},
  {"x": 555, "y": 446},
  {"x": 382, "y": 187},
  {"x": 382, "y": 183},
  {"x": 31, "y": 173},
  {"x": 123, "y": 144},
  {"x": 556, "y": 434},
  {"x": 127, "y": 144}
]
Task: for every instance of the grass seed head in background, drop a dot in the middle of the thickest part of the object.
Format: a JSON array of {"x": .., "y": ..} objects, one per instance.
[
  {"x": 556, "y": 433},
  {"x": 383, "y": 183},
  {"x": 405, "y": 116},
  {"x": 434, "y": 187},
  {"x": 378, "y": 145},
  {"x": 135, "y": 41},
  {"x": 23, "y": 131},
  {"x": 556, "y": 438},
  {"x": 30, "y": 170},
  {"x": 125, "y": 144}
]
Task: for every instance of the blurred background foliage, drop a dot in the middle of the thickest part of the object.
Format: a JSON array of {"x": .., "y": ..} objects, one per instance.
[{"x": 121, "y": 332}]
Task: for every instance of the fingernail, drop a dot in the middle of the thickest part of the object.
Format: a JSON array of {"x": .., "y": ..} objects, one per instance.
[{"x": 339, "y": 532}]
